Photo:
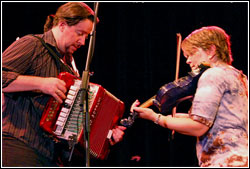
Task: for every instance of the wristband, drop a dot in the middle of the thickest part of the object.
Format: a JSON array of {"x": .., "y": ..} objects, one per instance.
[{"x": 158, "y": 119}]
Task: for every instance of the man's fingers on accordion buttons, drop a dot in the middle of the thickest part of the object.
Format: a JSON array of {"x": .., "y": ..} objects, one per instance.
[
  {"x": 62, "y": 87},
  {"x": 60, "y": 94},
  {"x": 57, "y": 92},
  {"x": 57, "y": 96}
]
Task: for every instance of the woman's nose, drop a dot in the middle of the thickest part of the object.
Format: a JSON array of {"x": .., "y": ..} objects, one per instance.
[{"x": 188, "y": 61}]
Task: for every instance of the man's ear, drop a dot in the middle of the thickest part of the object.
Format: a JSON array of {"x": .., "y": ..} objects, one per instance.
[{"x": 62, "y": 25}]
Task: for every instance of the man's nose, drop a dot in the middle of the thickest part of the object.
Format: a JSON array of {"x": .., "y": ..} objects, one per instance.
[{"x": 82, "y": 41}]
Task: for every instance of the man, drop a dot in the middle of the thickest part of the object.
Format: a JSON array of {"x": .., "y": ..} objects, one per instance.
[{"x": 30, "y": 79}]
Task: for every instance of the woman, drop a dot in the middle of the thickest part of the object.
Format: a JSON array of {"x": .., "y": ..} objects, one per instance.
[{"x": 219, "y": 112}]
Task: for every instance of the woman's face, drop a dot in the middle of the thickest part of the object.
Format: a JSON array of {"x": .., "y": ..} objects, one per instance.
[{"x": 195, "y": 58}]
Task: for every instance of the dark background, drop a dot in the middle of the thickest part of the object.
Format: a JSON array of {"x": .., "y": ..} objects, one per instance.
[{"x": 135, "y": 54}]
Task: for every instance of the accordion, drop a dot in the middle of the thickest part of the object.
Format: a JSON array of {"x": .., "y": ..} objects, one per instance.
[{"x": 65, "y": 121}]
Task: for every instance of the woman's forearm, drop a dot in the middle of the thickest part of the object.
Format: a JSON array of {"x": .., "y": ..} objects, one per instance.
[{"x": 182, "y": 125}]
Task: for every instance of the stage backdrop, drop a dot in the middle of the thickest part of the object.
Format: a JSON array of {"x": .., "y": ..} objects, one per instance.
[{"x": 135, "y": 54}]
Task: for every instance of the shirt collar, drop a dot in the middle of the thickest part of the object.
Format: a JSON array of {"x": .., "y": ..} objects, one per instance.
[{"x": 50, "y": 39}]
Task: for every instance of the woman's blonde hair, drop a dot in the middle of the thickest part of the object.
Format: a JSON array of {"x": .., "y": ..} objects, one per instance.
[{"x": 205, "y": 37}]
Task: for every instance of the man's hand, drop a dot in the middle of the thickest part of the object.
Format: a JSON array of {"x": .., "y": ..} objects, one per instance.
[{"x": 117, "y": 134}]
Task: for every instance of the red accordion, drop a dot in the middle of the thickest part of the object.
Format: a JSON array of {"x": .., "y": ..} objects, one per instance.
[{"x": 65, "y": 121}]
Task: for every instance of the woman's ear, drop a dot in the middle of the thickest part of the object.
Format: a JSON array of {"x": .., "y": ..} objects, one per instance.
[{"x": 212, "y": 52}]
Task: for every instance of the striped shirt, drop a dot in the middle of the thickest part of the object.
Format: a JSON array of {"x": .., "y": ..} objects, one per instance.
[{"x": 22, "y": 110}]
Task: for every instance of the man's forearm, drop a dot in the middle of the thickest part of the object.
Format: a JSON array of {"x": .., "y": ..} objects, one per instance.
[{"x": 24, "y": 83}]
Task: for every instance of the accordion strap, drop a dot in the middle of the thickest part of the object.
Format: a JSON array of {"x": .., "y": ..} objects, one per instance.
[{"x": 55, "y": 56}]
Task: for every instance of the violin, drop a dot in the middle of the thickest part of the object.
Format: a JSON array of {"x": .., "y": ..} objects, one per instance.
[{"x": 170, "y": 94}]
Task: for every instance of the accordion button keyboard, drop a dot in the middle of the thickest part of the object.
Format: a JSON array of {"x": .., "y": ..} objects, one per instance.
[
  {"x": 59, "y": 130},
  {"x": 73, "y": 88},
  {"x": 62, "y": 119},
  {"x": 59, "y": 123},
  {"x": 70, "y": 97},
  {"x": 68, "y": 102},
  {"x": 62, "y": 114},
  {"x": 67, "y": 108},
  {"x": 78, "y": 83},
  {"x": 72, "y": 92}
]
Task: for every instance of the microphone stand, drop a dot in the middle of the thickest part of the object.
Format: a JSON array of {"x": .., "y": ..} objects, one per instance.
[{"x": 85, "y": 84}]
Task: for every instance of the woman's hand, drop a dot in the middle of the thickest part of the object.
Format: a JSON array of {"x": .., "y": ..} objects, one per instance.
[{"x": 145, "y": 113}]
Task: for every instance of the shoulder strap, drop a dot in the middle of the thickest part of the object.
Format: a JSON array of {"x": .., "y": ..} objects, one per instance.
[{"x": 54, "y": 55}]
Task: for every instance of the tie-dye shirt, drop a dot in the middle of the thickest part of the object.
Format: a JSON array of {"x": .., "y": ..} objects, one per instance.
[{"x": 221, "y": 102}]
